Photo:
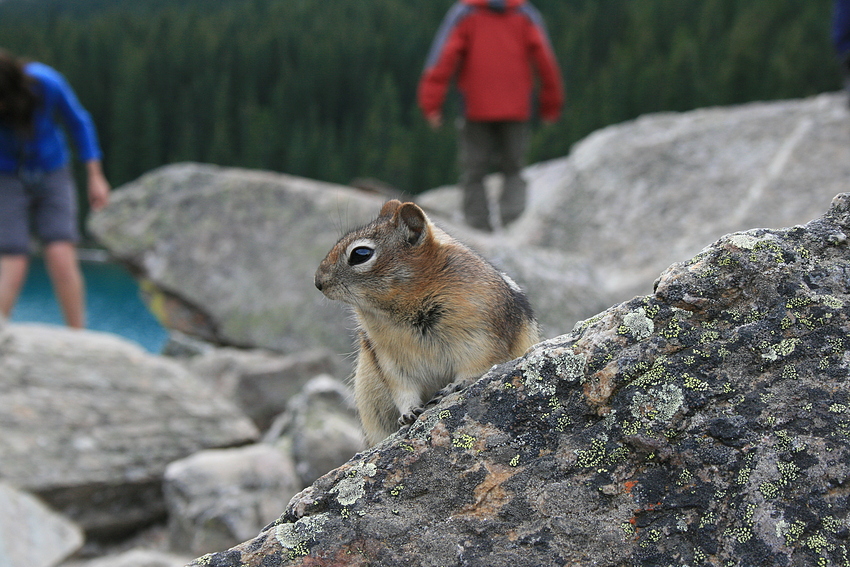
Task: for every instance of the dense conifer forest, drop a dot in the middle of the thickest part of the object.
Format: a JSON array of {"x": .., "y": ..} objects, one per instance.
[{"x": 326, "y": 88}]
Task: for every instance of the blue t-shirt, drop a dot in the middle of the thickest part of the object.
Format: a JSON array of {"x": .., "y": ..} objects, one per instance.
[{"x": 47, "y": 149}]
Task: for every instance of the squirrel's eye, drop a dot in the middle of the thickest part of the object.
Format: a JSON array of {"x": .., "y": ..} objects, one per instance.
[{"x": 359, "y": 255}]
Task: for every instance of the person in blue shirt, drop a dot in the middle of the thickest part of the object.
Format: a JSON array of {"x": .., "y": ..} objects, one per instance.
[{"x": 37, "y": 191}]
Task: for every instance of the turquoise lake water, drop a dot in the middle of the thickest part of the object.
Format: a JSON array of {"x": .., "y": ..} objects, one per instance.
[{"x": 113, "y": 304}]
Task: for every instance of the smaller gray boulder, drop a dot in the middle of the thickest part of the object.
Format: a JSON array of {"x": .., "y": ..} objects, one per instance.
[
  {"x": 90, "y": 422},
  {"x": 32, "y": 535},
  {"x": 261, "y": 382},
  {"x": 218, "y": 498},
  {"x": 323, "y": 426}
]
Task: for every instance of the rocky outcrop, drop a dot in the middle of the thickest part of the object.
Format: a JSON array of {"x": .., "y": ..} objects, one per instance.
[
  {"x": 229, "y": 255},
  {"x": 260, "y": 382},
  {"x": 89, "y": 422},
  {"x": 706, "y": 423},
  {"x": 638, "y": 196},
  {"x": 320, "y": 428},
  {"x": 32, "y": 535},
  {"x": 220, "y": 497}
]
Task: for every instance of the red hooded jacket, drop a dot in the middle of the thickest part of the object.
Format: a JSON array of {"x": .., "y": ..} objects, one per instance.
[{"x": 494, "y": 47}]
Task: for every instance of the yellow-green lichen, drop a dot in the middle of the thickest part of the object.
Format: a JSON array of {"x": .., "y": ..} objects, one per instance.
[
  {"x": 564, "y": 421},
  {"x": 782, "y": 349},
  {"x": 831, "y": 524},
  {"x": 515, "y": 461},
  {"x": 789, "y": 372},
  {"x": 597, "y": 455},
  {"x": 464, "y": 441},
  {"x": 709, "y": 337},
  {"x": 742, "y": 534},
  {"x": 638, "y": 324},
  {"x": 582, "y": 326},
  {"x": 352, "y": 486},
  {"x": 673, "y": 329},
  {"x": 593, "y": 456},
  {"x": 296, "y": 537},
  {"x": 708, "y": 519},
  {"x": 744, "y": 241},
  {"x": 791, "y": 532},
  {"x": 817, "y": 542},
  {"x": 660, "y": 403},
  {"x": 788, "y": 472},
  {"x": 652, "y": 536},
  {"x": 831, "y": 301},
  {"x": 769, "y": 490},
  {"x": 695, "y": 384},
  {"x": 656, "y": 374}
]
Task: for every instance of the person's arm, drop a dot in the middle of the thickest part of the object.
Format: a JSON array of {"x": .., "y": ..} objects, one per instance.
[
  {"x": 77, "y": 118},
  {"x": 82, "y": 130},
  {"x": 98, "y": 186},
  {"x": 543, "y": 56},
  {"x": 441, "y": 65}
]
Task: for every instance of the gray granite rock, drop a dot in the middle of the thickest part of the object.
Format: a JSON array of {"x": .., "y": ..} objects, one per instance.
[
  {"x": 262, "y": 382},
  {"x": 89, "y": 422},
  {"x": 635, "y": 197},
  {"x": 32, "y": 535},
  {"x": 323, "y": 426},
  {"x": 228, "y": 255},
  {"x": 217, "y": 498}
]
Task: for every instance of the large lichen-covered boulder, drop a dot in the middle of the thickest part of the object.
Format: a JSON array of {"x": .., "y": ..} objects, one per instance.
[
  {"x": 89, "y": 422},
  {"x": 228, "y": 255},
  {"x": 705, "y": 424}
]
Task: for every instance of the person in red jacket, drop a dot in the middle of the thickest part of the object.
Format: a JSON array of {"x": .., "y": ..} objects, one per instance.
[{"x": 494, "y": 48}]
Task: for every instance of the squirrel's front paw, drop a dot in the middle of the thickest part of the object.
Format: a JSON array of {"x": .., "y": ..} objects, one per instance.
[
  {"x": 410, "y": 416},
  {"x": 445, "y": 392}
]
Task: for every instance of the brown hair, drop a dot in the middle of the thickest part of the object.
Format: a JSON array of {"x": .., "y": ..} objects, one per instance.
[{"x": 18, "y": 99}]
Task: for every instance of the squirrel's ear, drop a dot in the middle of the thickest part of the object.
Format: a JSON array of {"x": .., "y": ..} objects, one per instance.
[
  {"x": 389, "y": 208},
  {"x": 413, "y": 222}
]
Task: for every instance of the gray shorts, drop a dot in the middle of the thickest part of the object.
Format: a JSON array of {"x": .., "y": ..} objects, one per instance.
[{"x": 45, "y": 206}]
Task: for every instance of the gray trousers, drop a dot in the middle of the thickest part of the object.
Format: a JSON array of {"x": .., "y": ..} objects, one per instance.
[{"x": 487, "y": 147}]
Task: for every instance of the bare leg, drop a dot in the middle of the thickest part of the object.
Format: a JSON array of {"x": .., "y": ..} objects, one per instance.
[
  {"x": 13, "y": 273},
  {"x": 64, "y": 270}
]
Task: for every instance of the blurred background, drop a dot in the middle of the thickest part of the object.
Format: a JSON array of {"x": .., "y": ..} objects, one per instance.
[{"x": 326, "y": 88}]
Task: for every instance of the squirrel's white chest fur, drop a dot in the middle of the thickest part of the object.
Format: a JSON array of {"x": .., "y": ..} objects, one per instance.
[{"x": 432, "y": 358}]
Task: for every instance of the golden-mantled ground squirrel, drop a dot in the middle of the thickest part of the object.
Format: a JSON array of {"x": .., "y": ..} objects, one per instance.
[{"x": 430, "y": 312}]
